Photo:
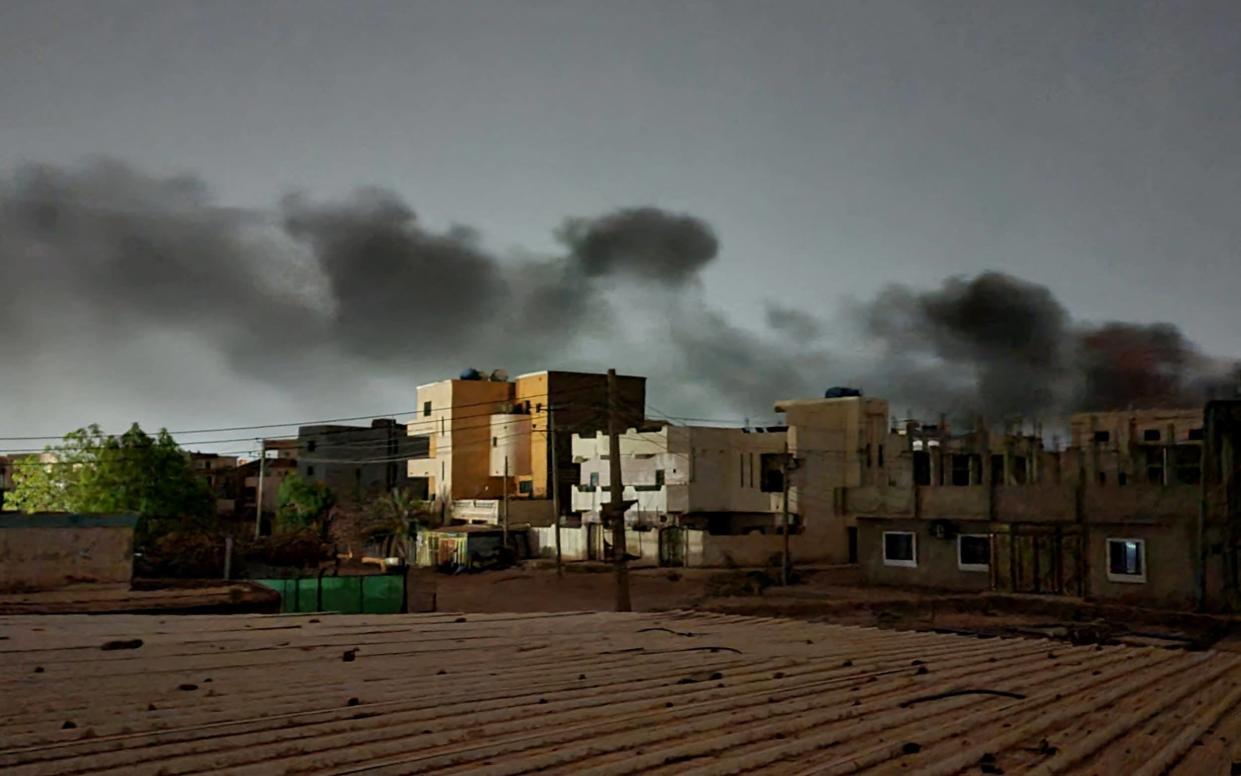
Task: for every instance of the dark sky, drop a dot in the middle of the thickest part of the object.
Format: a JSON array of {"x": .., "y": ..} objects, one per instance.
[{"x": 833, "y": 147}]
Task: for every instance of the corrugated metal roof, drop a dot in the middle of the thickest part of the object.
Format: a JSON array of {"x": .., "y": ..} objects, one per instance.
[{"x": 682, "y": 692}]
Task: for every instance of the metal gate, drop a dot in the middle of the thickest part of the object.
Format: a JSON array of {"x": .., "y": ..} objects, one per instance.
[{"x": 1031, "y": 558}]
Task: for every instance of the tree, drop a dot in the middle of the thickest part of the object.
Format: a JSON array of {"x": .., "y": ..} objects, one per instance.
[
  {"x": 303, "y": 504},
  {"x": 132, "y": 473},
  {"x": 398, "y": 514}
]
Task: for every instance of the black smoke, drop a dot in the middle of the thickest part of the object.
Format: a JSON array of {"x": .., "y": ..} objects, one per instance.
[
  {"x": 115, "y": 277},
  {"x": 1000, "y": 346}
]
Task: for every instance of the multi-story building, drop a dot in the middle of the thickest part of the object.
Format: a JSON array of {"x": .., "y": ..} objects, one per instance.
[
  {"x": 1136, "y": 508},
  {"x": 476, "y": 429},
  {"x": 721, "y": 480},
  {"x": 220, "y": 474},
  {"x": 358, "y": 462}
]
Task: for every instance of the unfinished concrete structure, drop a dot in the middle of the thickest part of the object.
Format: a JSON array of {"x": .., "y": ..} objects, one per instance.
[{"x": 1123, "y": 513}]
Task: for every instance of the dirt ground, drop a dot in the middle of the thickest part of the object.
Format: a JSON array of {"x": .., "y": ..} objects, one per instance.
[{"x": 833, "y": 594}]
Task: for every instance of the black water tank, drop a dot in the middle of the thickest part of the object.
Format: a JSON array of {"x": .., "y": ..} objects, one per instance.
[{"x": 840, "y": 392}]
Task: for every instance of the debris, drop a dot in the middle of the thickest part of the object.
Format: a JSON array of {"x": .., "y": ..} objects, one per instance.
[
  {"x": 459, "y": 619},
  {"x": 352, "y": 702},
  {"x": 910, "y": 747},
  {"x": 187, "y": 687},
  {"x": 922, "y": 671},
  {"x": 38, "y": 669},
  {"x": 108, "y": 646},
  {"x": 668, "y": 630},
  {"x": 68, "y": 725},
  {"x": 150, "y": 707},
  {"x": 847, "y": 664},
  {"x": 716, "y": 676},
  {"x": 350, "y": 655}
]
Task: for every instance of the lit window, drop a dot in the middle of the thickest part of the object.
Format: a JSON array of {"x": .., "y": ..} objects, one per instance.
[
  {"x": 974, "y": 552},
  {"x": 1126, "y": 560},
  {"x": 900, "y": 548}
]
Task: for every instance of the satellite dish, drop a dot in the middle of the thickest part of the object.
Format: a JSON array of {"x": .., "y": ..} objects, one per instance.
[{"x": 499, "y": 376}]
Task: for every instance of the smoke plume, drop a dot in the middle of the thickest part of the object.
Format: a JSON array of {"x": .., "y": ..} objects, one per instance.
[{"x": 143, "y": 293}]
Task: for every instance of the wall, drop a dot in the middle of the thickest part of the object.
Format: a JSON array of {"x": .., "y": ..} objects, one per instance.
[
  {"x": 1170, "y": 563},
  {"x": 510, "y": 447},
  {"x": 937, "y": 558},
  {"x": 43, "y": 551},
  {"x": 357, "y": 462},
  {"x": 457, "y": 429}
]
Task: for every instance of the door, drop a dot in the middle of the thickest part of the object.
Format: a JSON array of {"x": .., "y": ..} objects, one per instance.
[
  {"x": 1037, "y": 559},
  {"x": 852, "y": 544},
  {"x": 594, "y": 541},
  {"x": 671, "y": 546}
]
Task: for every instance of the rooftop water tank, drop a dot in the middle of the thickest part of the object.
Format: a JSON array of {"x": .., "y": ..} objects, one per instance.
[{"x": 841, "y": 392}]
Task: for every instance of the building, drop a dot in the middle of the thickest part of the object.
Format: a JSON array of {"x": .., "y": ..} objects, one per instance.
[
  {"x": 834, "y": 443},
  {"x": 475, "y": 430},
  {"x": 220, "y": 474},
  {"x": 358, "y": 462},
  {"x": 721, "y": 480},
  {"x": 1135, "y": 509}
]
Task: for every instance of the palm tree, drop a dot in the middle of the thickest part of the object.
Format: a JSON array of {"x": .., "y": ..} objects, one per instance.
[{"x": 399, "y": 515}]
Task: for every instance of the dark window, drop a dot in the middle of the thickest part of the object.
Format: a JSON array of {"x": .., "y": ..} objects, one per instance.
[
  {"x": 1122, "y": 479},
  {"x": 659, "y": 478},
  {"x": 880, "y": 456},
  {"x": 1019, "y": 469},
  {"x": 960, "y": 469},
  {"x": 973, "y": 551},
  {"x": 1151, "y": 435},
  {"x": 495, "y": 441},
  {"x": 1187, "y": 464},
  {"x": 1125, "y": 558},
  {"x": 310, "y": 471},
  {"x": 922, "y": 467},
  {"x": 772, "y": 480},
  {"x": 997, "y": 469},
  {"x": 426, "y": 409},
  {"x": 310, "y": 446},
  {"x": 1102, "y": 436},
  {"x": 898, "y": 548},
  {"x": 1195, "y": 434},
  {"x": 1101, "y": 477},
  {"x": 594, "y": 479},
  {"x": 525, "y": 486},
  {"x": 868, "y": 455}
]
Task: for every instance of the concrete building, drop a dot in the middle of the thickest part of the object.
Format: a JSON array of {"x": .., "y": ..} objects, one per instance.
[
  {"x": 358, "y": 462},
  {"x": 721, "y": 480},
  {"x": 220, "y": 474},
  {"x": 1124, "y": 513},
  {"x": 472, "y": 426},
  {"x": 835, "y": 443}
]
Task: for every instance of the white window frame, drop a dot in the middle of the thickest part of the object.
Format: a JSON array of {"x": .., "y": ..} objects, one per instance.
[
  {"x": 973, "y": 566},
  {"x": 912, "y": 564},
  {"x": 1136, "y": 579}
]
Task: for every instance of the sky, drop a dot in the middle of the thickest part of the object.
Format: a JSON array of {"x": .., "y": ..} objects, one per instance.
[{"x": 833, "y": 149}]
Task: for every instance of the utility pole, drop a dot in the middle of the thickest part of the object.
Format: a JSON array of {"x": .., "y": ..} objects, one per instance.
[
  {"x": 504, "y": 518},
  {"x": 616, "y": 507},
  {"x": 258, "y": 503},
  {"x": 551, "y": 440},
  {"x": 788, "y": 464}
]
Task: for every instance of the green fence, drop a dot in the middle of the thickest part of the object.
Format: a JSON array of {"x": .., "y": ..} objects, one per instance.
[{"x": 349, "y": 595}]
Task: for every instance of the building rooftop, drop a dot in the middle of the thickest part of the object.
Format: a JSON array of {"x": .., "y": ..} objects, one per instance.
[{"x": 676, "y": 692}]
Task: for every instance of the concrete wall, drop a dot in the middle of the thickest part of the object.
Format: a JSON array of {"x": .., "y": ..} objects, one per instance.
[
  {"x": 936, "y": 558},
  {"x": 1170, "y": 563},
  {"x": 44, "y": 551},
  {"x": 458, "y": 431}
]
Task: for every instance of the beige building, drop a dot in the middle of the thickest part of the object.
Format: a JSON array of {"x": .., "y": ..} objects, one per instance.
[{"x": 473, "y": 425}]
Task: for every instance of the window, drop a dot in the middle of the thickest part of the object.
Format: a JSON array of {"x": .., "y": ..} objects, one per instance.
[
  {"x": 922, "y": 467},
  {"x": 772, "y": 478},
  {"x": 310, "y": 446},
  {"x": 525, "y": 486},
  {"x": 426, "y": 409},
  {"x": 868, "y": 455},
  {"x": 1151, "y": 435},
  {"x": 1102, "y": 478},
  {"x": 1194, "y": 435},
  {"x": 495, "y": 441},
  {"x": 310, "y": 471},
  {"x": 1102, "y": 436},
  {"x": 659, "y": 478},
  {"x": 594, "y": 480},
  {"x": 900, "y": 548},
  {"x": 960, "y": 469},
  {"x": 880, "y": 456},
  {"x": 1122, "y": 479},
  {"x": 974, "y": 552},
  {"x": 1126, "y": 560},
  {"x": 997, "y": 469}
]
